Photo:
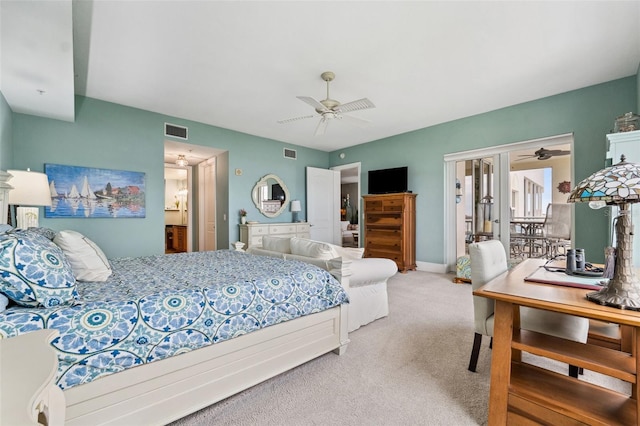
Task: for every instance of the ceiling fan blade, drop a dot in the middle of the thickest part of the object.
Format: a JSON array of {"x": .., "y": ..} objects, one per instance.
[
  {"x": 557, "y": 152},
  {"x": 289, "y": 120},
  {"x": 355, "y": 120},
  {"x": 314, "y": 103},
  {"x": 322, "y": 127},
  {"x": 363, "y": 103}
]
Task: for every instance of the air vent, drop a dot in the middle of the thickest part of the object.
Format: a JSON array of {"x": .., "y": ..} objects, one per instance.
[
  {"x": 290, "y": 153},
  {"x": 176, "y": 131}
]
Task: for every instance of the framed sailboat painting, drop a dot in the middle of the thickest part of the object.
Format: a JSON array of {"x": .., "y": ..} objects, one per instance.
[{"x": 86, "y": 192}]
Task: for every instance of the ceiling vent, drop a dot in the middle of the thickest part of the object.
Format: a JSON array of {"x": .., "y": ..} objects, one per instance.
[
  {"x": 174, "y": 131},
  {"x": 290, "y": 153}
]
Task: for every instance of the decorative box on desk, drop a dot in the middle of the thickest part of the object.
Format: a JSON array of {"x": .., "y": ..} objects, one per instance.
[
  {"x": 390, "y": 228},
  {"x": 251, "y": 233}
]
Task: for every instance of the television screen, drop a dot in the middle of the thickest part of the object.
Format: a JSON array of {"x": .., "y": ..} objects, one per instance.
[
  {"x": 387, "y": 181},
  {"x": 277, "y": 193}
]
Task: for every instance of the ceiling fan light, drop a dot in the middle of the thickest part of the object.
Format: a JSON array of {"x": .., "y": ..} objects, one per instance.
[{"x": 182, "y": 161}]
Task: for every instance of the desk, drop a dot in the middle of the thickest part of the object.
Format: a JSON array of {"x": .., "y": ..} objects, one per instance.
[{"x": 520, "y": 391}]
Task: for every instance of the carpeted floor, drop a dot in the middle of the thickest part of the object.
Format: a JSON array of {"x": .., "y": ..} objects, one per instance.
[{"x": 407, "y": 369}]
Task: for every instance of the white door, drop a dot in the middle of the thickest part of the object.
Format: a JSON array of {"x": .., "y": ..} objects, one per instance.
[
  {"x": 323, "y": 204},
  {"x": 207, "y": 194}
]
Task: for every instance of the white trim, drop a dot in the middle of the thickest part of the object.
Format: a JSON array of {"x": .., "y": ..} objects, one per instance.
[{"x": 438, "y": 268}]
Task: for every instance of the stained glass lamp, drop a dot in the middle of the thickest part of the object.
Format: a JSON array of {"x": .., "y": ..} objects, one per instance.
[{"x": 616, "y": 185}]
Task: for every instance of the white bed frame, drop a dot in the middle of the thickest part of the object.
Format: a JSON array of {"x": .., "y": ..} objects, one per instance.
[{"x": 166, "y": 390}]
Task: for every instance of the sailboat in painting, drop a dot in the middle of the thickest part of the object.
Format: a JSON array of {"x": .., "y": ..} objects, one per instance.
[
  {"x": 73, "y": 193},
  {"x": 86, "y": 191},
  {"x": 53, "y": 190}
]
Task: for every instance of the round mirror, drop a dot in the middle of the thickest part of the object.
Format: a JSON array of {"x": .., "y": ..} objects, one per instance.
[{"x": 270, "y": 195}]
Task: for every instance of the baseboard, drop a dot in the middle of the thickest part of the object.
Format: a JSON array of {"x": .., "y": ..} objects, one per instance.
[{"x": 432, "y": 267}]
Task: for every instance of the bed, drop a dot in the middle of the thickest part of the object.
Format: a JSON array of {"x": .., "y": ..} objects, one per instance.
[{"x": 163, "y": 336}]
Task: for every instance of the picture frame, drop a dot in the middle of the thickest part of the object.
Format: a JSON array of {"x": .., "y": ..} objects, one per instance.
[{"x": 87, "y": 192}]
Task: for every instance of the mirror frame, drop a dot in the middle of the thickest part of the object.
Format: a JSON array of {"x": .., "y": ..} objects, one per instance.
[{"x": 263, "y": 182}]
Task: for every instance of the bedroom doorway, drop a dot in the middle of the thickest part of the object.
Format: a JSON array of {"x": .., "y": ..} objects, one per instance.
[
  {"x": 350, "y": 204},
  {"x": 196, "y": 197}
]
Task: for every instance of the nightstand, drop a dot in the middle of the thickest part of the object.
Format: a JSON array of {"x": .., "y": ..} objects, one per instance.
[{"x": 28, "y": 368}]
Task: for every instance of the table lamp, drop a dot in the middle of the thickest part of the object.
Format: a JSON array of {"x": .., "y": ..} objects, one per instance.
[
  {"x": 295, "y": 208},
  {"x": 29, "y": 189},
  {"x": 616, "y": 185}
]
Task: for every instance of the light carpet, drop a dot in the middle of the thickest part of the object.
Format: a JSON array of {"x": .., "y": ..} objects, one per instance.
[{"x": 407, "y": 369}]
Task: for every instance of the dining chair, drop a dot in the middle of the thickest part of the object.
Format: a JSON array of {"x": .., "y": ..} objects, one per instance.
[
  {"x": 488, "y": 260},
  {"x": 556, "y": 229}
]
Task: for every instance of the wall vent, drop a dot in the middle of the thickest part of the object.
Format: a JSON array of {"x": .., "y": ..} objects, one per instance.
[
  {"x": 290, "y": 153},
  {"x": 176, "y": 131}
]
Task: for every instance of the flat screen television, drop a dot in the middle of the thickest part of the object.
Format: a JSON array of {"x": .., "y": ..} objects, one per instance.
[{"x": 387, "y": 181}]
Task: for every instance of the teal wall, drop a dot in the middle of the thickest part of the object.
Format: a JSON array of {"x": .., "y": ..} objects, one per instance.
[
  {"x": 107, "y": 135},
  {"x": 6, "y": 135},
  {"x": 587, "y": 113}
]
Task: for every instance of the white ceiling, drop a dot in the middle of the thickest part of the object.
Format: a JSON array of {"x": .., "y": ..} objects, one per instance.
[{"x": 241, "y": 64}]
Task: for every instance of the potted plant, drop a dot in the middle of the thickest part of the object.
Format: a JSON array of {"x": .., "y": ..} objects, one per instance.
[{"x": 243, "y": 216}]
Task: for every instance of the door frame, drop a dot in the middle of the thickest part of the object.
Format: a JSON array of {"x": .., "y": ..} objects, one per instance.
[
  {"x": 500, "y": 154},
  {"x": 357, "y": 165}
]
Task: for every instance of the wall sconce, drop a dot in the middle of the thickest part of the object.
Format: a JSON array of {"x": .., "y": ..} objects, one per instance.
[
  {"x": 458, "y": 191},
  {"x": 295, "y": 208},
  {"x": 30, "y": 189}
]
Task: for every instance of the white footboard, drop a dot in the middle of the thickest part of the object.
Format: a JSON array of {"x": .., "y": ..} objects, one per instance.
[{"x": 163, "y": 391}]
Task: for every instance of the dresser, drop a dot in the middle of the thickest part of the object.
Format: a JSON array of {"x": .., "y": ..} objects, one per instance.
[
  {"x": 390, "y": 228},
  {"x": 251, "y": 233},
  {"x": 28, "y": 370}
]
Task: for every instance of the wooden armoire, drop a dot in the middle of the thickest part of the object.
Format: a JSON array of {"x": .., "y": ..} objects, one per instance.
[{"x": 390, "y": 228}]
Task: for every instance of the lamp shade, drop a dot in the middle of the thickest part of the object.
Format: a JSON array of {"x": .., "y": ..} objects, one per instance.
[
  {"x": 617, "y": 184},
  {"x": 295, "y": 206},
  {"x": 29, "y": 188}
]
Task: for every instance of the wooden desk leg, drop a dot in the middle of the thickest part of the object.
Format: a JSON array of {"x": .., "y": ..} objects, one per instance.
[{"x": 501, "y": 363}]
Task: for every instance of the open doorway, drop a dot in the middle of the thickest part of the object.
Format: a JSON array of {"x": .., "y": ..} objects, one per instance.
[
  {"x": 190, "y": 197},
  {"x": 350, "y": 204},
  {"x": 503, "y": 192}
]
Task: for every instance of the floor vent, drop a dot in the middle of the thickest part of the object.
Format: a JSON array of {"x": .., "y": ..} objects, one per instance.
[
  {"x": 176, "y": 131},
  {"x": 290, "y": 153}
]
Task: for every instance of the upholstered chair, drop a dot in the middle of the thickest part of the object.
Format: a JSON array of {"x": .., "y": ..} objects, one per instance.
[{"x": 488, "y": 260}]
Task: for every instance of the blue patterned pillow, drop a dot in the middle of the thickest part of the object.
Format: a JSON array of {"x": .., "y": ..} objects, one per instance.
[{"x": 34, "y": 271}]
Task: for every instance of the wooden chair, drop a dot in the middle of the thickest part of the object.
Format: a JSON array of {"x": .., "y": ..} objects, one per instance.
[{"x": 488, "y": 260}]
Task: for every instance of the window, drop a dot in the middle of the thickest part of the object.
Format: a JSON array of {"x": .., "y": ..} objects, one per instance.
[{"x": 532, "y": 198}]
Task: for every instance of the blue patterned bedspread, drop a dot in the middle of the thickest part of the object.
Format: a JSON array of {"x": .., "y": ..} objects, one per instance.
[{"x": 158, "y": 306}]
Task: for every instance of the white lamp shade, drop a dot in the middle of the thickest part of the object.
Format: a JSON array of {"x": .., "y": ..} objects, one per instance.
[
  {"x": 29, "y": 188},
  {"x": 295, "y": 206}
]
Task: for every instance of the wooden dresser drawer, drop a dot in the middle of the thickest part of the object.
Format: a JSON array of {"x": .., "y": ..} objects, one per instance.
[{"x": 383, "y": 220}]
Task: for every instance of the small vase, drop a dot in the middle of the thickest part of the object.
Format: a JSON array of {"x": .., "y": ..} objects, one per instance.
[{"x": 243, "y": 219}]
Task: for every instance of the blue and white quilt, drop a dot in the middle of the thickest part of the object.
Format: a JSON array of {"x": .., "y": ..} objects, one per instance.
[{"x": 155, "y": 307}]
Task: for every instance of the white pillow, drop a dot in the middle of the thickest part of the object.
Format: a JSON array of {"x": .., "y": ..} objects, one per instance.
[
  {"x": 87, "y": 261},
  {"x": 3, "y": 302},
  {"x": 311, "y": 248},
  {"x": 279, "y": 244},
  {"x": 351, "y": 253}
]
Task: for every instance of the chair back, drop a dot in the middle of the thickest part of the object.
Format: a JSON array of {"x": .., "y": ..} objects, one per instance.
[
  {"x": 488, "y": 260},
  {"x": 557, "y": 223}
]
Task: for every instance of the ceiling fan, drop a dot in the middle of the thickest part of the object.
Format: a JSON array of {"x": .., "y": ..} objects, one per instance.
[
  {"x": 330, "y": 109},
  {"x": 545, "y": 154}
]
